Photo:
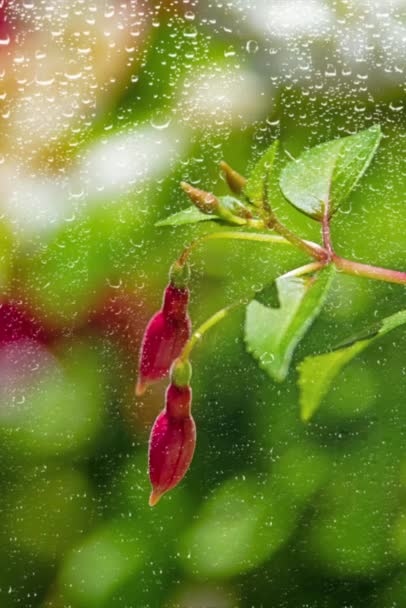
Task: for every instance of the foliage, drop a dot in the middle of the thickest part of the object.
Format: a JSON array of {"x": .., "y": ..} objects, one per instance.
[
  {"x": 104, "y": 114},
  {"x": 316, "y": 184}
]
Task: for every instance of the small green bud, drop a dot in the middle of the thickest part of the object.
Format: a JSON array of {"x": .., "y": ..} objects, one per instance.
[
  {"x": 179, "y": 274},
  {"x": 181, "y": 372}
]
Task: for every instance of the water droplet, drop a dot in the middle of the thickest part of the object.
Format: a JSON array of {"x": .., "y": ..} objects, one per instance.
[
  {"x": 252, "y": 47},
  {"x": 75, "y": 76},
  {"x": 190, "y": 34},
  {"x": 396, "y": 107},
  {"x": 114, "y": 285},
  {"x": 273, "y": 123},
  {"x": 160, "y": 122},
  {"x": 331, "y": 71},
  {"x": 230, "y": 52},
  {"x": 44, "y": 83}
]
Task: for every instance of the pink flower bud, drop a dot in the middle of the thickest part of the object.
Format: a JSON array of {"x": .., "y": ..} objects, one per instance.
[
  {"x": 172, "y": 442},
  {"x": 164, "y": 338}
]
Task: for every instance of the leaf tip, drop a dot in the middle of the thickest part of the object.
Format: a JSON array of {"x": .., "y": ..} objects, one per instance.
[
  {"x": 376, "y": 127},
  {"x": 305, "y": 414}
]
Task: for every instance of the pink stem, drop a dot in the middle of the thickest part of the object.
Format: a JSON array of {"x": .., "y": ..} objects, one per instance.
[
  {"x": 371, "y": 272},
  {"x": 325, "y": 224}
]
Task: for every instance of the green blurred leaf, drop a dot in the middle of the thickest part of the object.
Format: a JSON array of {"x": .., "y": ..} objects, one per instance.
[
  {"x": 100, "y": 564},
  {"x": 350, "y": 538},
  {"x": 220, "y": 545},
  {"x": 255, "y": 186},
  {"x": 191, "y": 215},
  {"x": 6, "y": 252},
  {"x": 271, "y": 334},
  {"x": 47, "y": 510},
  {"x": 317, "y": 373},
  {"x": 326, "y": 174},
  {"x": 299, "y": 471},
  {"x": 59, "y": 411},
  {"x": 70, "y": 273}
]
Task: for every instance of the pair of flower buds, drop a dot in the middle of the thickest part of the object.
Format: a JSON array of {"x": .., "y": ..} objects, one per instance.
[{"x": 173, "y": 435}]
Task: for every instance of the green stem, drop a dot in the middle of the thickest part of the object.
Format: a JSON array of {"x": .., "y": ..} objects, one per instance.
[
  {"x": 240, "y": 236},
  {"x": 208, "y": 324},
  {"x": 246, "y": 236},
  {"x": 312, "y": 249},
  {"x": 302, "y": 270},
  {"x": 371, "y": 272},
  {"x": 272, "y": 222}
]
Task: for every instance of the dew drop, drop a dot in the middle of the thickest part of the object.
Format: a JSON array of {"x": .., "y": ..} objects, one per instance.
[
  {"x": 252, "y": 47},
  {"x": 160, "y": 122}
]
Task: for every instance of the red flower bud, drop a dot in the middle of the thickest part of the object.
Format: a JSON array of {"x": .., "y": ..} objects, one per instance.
[
  {"x": 164, "y": 338},
  {"x": 172, "y": 442}
]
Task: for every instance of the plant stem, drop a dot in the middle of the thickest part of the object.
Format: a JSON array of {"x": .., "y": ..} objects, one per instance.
[
  {"x": 312, "y": 249},
  {"x": 237, "y": 236},
  {"x": 208, "y": 324},
  {"x": 371, "y": 272},
  {"x": 272, "y": 222},
  {"x": 325, "y": 225},
  {"x": 302, "y": 270},
  {"x": 247, "y": 236}
]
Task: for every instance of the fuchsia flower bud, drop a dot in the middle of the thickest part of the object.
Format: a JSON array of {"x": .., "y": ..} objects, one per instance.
[
  {"x": 173, "y": 436},
  {"x": 167, "y": 332}
]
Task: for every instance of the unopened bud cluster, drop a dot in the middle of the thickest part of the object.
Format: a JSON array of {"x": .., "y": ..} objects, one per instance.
[{"x": 173, "y": 436}]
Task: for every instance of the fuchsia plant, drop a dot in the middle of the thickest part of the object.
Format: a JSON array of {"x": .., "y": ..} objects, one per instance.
[{"x": 316, "y": 184}]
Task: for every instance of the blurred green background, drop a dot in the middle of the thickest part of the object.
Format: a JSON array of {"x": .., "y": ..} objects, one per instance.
[{"x": 104, "y": 107}]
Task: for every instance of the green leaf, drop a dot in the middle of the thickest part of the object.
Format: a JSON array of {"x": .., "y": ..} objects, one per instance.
[
  {"x": 191, "y": 215},
  {"x": 220, "y": 546},
  {"x": 101, "y": 563},
  {"x": 271, "y": 334},
  {"x": 255, "y": 186},
  {"x": 316, "y": 374},
  {"x": 325, "y": 175},
  {"x": 233, "y": 205}
]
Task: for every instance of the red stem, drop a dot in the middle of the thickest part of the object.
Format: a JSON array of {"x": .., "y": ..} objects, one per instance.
[
  {"x": 325, "y": 225},
  {"x": 371, "y": 272}
]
